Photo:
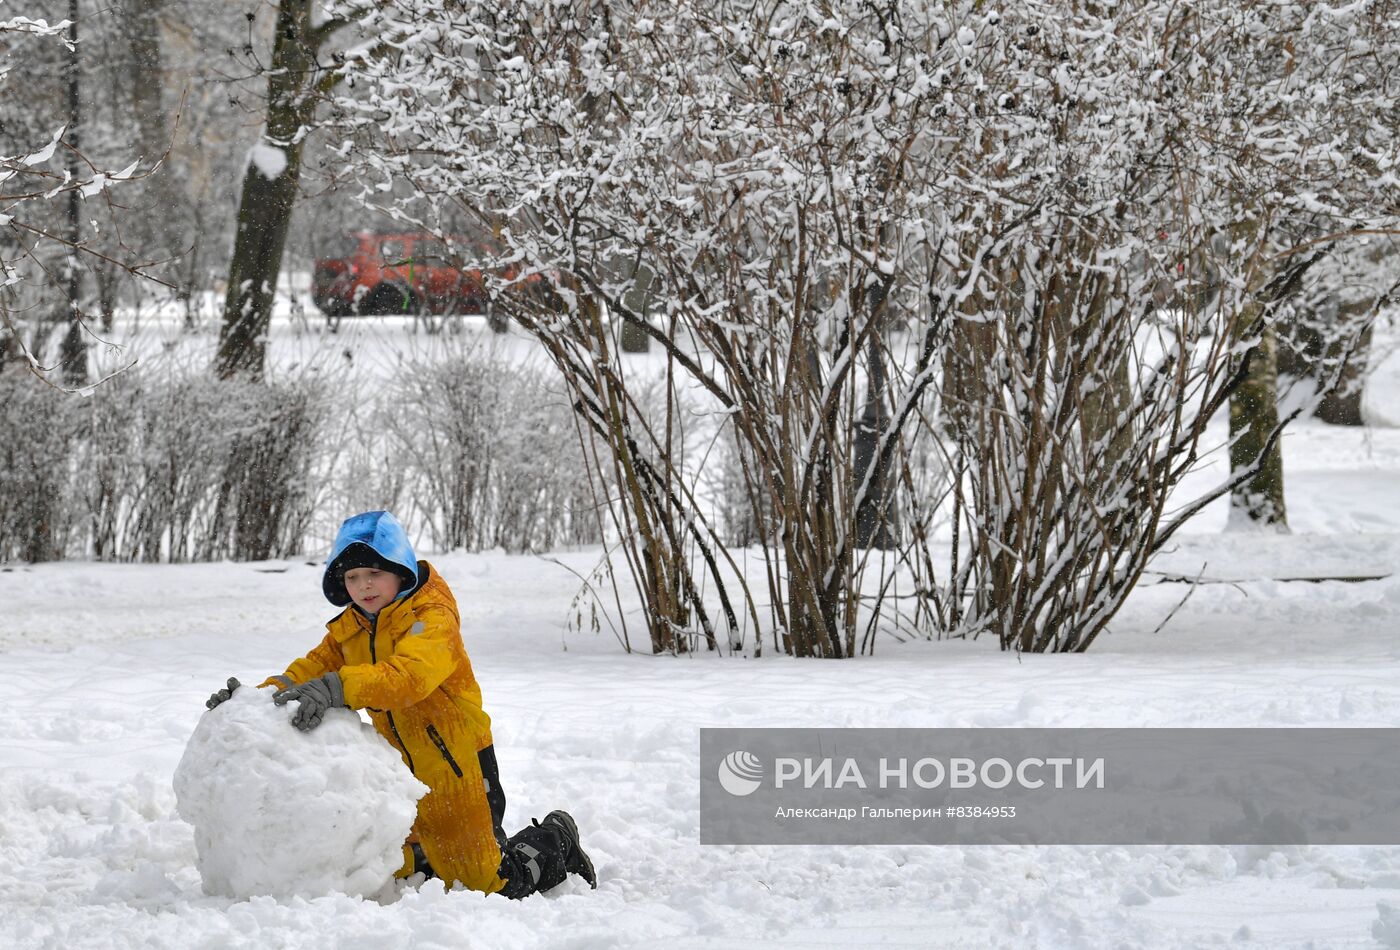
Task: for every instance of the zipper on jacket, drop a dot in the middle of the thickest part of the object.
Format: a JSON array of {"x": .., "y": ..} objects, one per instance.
[
  {"x": 442, "y": 747},
  {"x": 374, "y": 629}
]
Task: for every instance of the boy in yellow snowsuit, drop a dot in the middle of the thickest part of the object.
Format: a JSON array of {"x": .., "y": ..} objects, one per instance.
[{"x": 396, "y": 650}]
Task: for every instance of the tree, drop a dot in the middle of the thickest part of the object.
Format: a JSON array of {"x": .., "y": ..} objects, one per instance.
[
  {"x": 74, "y": 358},
  {"x": 1259, "y": 500},
  {"x": 295, "y": 82},
  {"x": 29, "y": 189},
  {"x": 1326, "y": 328}
]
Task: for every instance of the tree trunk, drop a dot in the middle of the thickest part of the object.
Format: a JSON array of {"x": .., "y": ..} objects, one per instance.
[
  {"x": 638, "y": 300},
  {"x": 269, "y": 194},
  {"x": 1347, "y": 354},
  {"x": 1257, "y": 502},
  {"x": 876, "y": 525},
  {"x": 1300, "y": 344},
  {"x": 142, "y": 25},
  {"x": 106, "y": 275},
  {"x": 971, "y": 344},
  {"x": 74, "y": 352},
  {"x": 11, "y": 351},
  {"x": 164, "y": 202},
  {"x": 1330, "y": 344}
]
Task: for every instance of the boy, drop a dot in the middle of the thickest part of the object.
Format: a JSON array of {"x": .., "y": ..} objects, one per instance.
[{"x": 396, "y": 650}]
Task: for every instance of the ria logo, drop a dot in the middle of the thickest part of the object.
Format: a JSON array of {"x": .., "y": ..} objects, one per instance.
[{"x": 740, "y": 773}]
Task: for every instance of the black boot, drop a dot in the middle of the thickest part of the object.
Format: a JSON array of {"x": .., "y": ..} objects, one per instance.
[
  {"x": 575, "y": 861},
  {"x": 541, "y": 855}
]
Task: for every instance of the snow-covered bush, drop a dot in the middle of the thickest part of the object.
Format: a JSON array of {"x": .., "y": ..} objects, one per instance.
[
  {"x": 286, "y": 813},
  {"x": 36, "y": 461},
  {"x": 882, "y": 211},
  {"x": 1178, "y": 145},
  {"x": 487, "y": 455},
  {"x": 175, "y": 465},
  {"x": 159, "y": 468}
]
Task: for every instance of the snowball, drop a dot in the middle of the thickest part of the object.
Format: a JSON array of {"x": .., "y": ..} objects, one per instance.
[{"x": 281, "y": 812}]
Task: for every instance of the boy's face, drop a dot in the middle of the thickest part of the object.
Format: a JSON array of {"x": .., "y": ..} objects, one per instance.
[{"x": 371, "y": 589}]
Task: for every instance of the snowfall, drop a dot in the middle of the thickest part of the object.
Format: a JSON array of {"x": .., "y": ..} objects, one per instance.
[{"x": 104, "y": 670}]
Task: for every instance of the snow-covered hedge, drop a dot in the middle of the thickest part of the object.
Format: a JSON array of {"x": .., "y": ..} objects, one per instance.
[
  {"x": 158, "y": 469},
  {"x": 479, "y": 456},
  {"x": 174, "y": 465}
]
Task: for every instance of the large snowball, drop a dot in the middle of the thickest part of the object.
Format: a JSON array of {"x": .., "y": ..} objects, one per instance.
[{"x": 281, "y": 812}]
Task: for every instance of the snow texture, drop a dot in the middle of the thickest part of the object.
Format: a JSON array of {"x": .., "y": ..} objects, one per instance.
[
  {"x": 283, "y": 813},
  {"x": 1386, "y": 929}
]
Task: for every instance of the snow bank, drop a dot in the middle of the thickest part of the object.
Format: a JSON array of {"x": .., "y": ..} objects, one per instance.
[{"x": 283, "y": 813}]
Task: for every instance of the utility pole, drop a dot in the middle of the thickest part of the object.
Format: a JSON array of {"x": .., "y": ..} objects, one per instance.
[{"x": 74, "y": 353}]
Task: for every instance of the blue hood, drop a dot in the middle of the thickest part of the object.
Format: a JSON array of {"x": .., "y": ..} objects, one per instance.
[{"x": 386, "y": 541}]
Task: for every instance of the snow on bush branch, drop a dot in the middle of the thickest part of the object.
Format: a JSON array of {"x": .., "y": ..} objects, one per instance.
[{"x": 1061, "y": 224}]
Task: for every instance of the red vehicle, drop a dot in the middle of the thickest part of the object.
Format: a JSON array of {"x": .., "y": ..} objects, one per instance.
[{"x": 400, "y": 272}]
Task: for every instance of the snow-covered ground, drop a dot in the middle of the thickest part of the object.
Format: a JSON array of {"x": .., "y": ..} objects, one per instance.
[{"x": 104, "y": 670}]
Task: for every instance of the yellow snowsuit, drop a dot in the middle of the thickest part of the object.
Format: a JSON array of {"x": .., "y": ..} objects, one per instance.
[{"x": 408, "y": 667}]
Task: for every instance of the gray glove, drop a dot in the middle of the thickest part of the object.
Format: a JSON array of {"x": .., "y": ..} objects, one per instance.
[
  {"x": 223, "y": 694},
  {"x": 313, "y": 697}
]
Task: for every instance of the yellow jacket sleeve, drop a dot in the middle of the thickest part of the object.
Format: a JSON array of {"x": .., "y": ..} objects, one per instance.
[
  {"x": 324, "y": 658},
  {"x": 419, "y": 664}
]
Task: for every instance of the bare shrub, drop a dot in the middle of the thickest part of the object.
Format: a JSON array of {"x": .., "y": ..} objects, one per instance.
[
  {"x": 112, "y": 487},
  {"x": 487, "y": 457},
  {"x": 178, "y": 466},
  {"x": 798, "y": 188},
  {"x": 362, "y": 474},
  {"x": 185, "y": 468},
  {"x": 182, "y": 450},
  {"x": 264, "y": 502},
  {"x": 153, "y": 457},
  {"x": 36, "y": 463},
  {"x": 638, "y": 429}
]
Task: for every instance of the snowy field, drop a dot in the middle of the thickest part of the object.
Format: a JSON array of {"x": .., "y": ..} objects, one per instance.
[{"x": 104, "y": 670}]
